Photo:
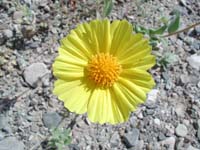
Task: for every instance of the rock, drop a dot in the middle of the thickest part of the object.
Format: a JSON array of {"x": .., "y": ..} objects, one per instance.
[
  {"x": 11, "y": 143},
  {"x": 197, "y": 30},
  {"x": 198, "y": 84},
  {"x": 28, "y": 31},
  {"x": 194, "y": 61},
  {"x": 186, "y": 122},
  {"x": 152, "y": 96},
  {"x": 139, "y": 145},
  {"x": 133, "y": 121},
  {"x": 161, "y": 136},
  {"x": 2, "y": 135},
  {"x": 115, "y": 139},
  {"x": 139, "y": 113},
  {"x": 170, "y": 142},
  {"x": 181, "y": 130},
  {"x": 198, "y": 134},
  {"x": 7, "y": 129},
  {"x": 191, "y": 148},
  {"x": 180, "y": 110},
  {"x": 198, "y": 123},
  {"x": 184, "y": 78},
  {"x": 189, "y": 40},
  {"x": 183, "y": 2},
  {"x": 34, "y": 72},
  {"x": 17, "y": 16},
  {"x": 157, "y": 121},
  {"x": 34, "y": 45},
  {"x": 195, "y": 45},
  {"x": 73, "y": 147},
  {"x": 2, "y": 39},
  {"x": 131, "y": 138},
  {"x": 51, "y": 119},
  {"x": 103, "y": 136},
  {"x": 34, "y": 128},
  {"x": 179, "y": 144},
  {"x": 149, "y": 112},
  {"x": 3, "y": 122},
  {"x": 8, "y": 33}
]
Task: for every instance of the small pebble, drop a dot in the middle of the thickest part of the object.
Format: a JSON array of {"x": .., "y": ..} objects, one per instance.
[
  {"x": 131, "y": 138},
  {"x": 198, "y": 134},
  {"x": 8, "y": 33},
  {"x": 34, "y": 72},
  {"x": 192, "y": 148},
  {"x": 51, "y": 119},
  {"x": 194, "y": 61},
  {"x": 180, "y": 110},
  {"x": 181, "y": 130},
  {"x": 157, "y": 121},
  {"x": 152, "y": 96},
  {"x": 169, "y": 142},
  {"x": 11, "y": 143}
]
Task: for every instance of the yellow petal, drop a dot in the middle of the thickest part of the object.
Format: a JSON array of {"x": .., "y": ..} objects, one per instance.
[
  {"x": 67, "y": 57},
  {"x": 67, "y": 92},
  {"x": 61, "y": 86},
  {"x": 121, "y": 34},
  {"x": 135, "y": 74},
  {"x": 122, "y": 99},
  {"x": 139, "y": 51},
  {"x": 101, "y": 35},
  {"x": 103, "y": 108},
  {"x": 130, "y": 97},
  {"x": 141, "y": 78},
  {"x": 136, "y": 90},
  {"x": 143, "y": 63}
]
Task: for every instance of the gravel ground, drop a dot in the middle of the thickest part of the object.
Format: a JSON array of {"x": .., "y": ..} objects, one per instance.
[{"x": 30, "y": 31}]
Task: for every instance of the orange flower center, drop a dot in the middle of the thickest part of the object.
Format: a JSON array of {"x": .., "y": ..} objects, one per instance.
[{"x": 104, "y": 69}]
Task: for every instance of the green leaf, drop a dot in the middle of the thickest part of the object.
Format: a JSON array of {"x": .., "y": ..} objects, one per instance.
[
  {"x": 59, "y": 146},
  {"x": 141, "y": 29},
  {"x": 167, "y": 59},
  {"x": 108, "y": 5},
  {"x": 160, "y": 30},
  {"x": 59, "y": 138},
  {"x": 174, "y": 23}
]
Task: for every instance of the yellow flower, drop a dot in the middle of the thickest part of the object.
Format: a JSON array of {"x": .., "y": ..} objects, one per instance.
[{"x": 102, "y": 70}]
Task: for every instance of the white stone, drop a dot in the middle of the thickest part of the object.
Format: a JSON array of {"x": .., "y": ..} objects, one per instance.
[
  {"x": 8, "y": 33},
  {"x": 192, "y": 148},
  {"x": 181, "y": 130},
  {"x": 180, "y": 110},
  {"x": 11, "y": 143},
  {"x": 152, "y": 96},
  {"x": 194, "y": 61},
  {"x": 34, "y": 72},
  {"x": 170, "y": 142},
  {"x": 157, "y": 121}
]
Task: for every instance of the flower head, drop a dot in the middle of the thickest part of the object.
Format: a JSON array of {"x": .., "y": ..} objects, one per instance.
[{"x": 102, "y": 70}]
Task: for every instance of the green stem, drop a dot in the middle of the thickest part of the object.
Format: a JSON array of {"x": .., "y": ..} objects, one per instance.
[{"x": 183, "y": 30}]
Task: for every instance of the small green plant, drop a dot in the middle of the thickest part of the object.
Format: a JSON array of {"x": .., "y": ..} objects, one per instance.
[
  {"x": 166, "y": 60},
  {"x": 155, "y": 35},
  {"x": 59, "y": 138},
  {"x": 107, "y": 8}
]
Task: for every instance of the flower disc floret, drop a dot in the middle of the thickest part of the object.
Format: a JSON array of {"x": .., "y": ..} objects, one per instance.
[{"x": 103, "y": 69}]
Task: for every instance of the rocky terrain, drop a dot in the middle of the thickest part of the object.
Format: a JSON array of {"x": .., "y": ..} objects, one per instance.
[{"x": 30, "y": 31}]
